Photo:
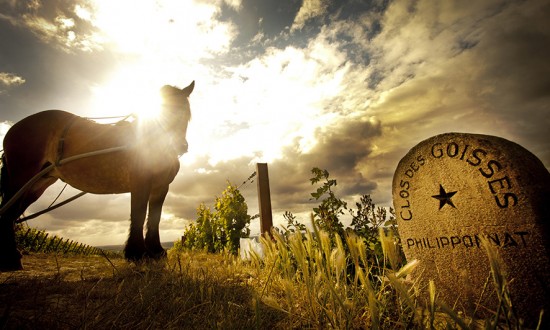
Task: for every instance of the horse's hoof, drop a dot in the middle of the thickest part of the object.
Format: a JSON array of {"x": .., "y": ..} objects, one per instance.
[
  {"x": 11, "y": 261},
  {"x": 10, "y": 268},
  {"x": 10, "y": 265},
  {"x": 134, "y": 255},
  {"x": 157, "y": 255}
]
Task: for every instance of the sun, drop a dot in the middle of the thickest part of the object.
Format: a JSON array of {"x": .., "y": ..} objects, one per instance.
[
  {"x": 149, "y": 105},
  {"x": 126, "y": 94}
]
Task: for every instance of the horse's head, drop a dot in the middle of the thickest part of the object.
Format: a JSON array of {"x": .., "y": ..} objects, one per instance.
[{"x": 176, "y": 113}]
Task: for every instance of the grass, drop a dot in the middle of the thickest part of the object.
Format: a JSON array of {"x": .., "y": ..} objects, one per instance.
[
  {"x": 191, "y": 290},
  {"x": 312, "y": 284},
  {"x": 303, "y": 281}
]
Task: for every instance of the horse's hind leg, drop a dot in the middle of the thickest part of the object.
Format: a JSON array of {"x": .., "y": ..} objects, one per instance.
[
  {"x": 10, "y": 258},
  {"x": 135, "y": 246},
  {"x": 152, "y": 237}
]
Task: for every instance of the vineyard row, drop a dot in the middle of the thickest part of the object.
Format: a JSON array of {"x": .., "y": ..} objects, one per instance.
[{"x": 33, "y": 240}]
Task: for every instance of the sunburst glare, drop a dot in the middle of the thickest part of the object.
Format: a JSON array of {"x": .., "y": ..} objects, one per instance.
[{"x": 125, "y": 94}]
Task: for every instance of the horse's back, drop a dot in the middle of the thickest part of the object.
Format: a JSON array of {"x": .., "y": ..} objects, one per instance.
[
  {"x": 28, "y": 142},
  {"x": 50, "y": 136},
  {"x": 26, "y": 147},
  {"x": 34, "y": 132},
  {"x": 105, "y": 173},
  {"x": 55, "y": 134}
]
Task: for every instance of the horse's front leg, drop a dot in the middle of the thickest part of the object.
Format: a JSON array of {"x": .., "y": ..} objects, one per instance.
[
  {"x": 152, "y": 238},
  {"x": 135, "y": 247},
  {"x": 10, "y": 258}
]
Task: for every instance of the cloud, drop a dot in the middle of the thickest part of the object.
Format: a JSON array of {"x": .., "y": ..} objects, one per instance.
[
  {"x": 434, "y": 69},
  {"x": 310, "y": 9},
  {"x": 257, "y": 108},
  {"x": 235, "y": 4},
  {"x": 479, "y": 66},
  {"x": 151, "y": 29},
  {"x": 10, "y": 79},
  {"x": 341, "y": 149},
  {"x": 94, "y": 232},
  {"x": 186, "y": 31},
  {"x": 4, "y": 127},
  {"x": 54, "y": 22},
  {"x": 350, "y": 89}
]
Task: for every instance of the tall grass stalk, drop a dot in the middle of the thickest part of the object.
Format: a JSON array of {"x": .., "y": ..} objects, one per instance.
[
  {"x": 331, "y": 283},
  {"x": 505, "y": 310},
  {"x": 326, "y": 282}
]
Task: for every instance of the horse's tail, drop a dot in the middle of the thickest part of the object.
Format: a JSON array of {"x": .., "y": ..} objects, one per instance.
[{"x": 3, "y": 179}]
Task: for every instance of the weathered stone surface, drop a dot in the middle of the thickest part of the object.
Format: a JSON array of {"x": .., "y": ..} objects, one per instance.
[{"x": 452, "y": 189}]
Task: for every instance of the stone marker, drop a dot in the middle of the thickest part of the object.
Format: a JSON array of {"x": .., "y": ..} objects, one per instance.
[{"x": 451, "y": 190}]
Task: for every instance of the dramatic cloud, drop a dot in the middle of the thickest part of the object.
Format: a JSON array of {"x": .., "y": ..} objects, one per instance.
[
  {"x": 276, "y": 98},
  {"x": 340, "y": 148},
  {"x": 309, "y": 10},
  {"x": 348, "y": 86},
  {"x": 61, "y": 23},
  {"x": 435, "y": 69}
]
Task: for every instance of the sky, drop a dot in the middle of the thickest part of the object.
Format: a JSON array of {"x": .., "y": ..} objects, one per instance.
[{"x": 349, "y": 86}]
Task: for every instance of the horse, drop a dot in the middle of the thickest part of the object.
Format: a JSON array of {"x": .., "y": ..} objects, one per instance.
[{"x": 144, "y": 161}]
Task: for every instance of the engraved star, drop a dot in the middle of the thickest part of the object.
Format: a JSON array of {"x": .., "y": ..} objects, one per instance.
[{"x": 444, "y": 197}]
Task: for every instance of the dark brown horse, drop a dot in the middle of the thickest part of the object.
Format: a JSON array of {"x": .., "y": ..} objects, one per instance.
[{"x": 145, "y": 166}]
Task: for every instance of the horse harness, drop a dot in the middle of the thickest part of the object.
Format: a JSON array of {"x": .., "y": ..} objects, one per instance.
[{"x": 61, "y": 143}]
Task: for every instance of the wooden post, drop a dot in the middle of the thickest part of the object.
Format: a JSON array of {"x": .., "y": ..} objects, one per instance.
[
  {"x": 42, "y": 243},
  {"x": 60, "y": 240},
  {"x": 264, "y": 198}
]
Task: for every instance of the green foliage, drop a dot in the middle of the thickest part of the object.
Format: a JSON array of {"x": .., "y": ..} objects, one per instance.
[
  {"x": 221, "y": 229},
  {"x": 293, "y": 225},
  {"x": 327, "y": 214},
  {"x": 366, "y": 222}
]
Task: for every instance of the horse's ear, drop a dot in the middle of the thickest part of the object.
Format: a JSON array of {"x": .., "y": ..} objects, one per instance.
[{"x": 189, "y": 89}]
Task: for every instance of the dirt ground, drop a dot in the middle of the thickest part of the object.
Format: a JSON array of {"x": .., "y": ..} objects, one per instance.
[
  {"x": 69, "y": 267},
  {"x": 93, "y": 292},
  {"x": 52, "y": 291}
]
